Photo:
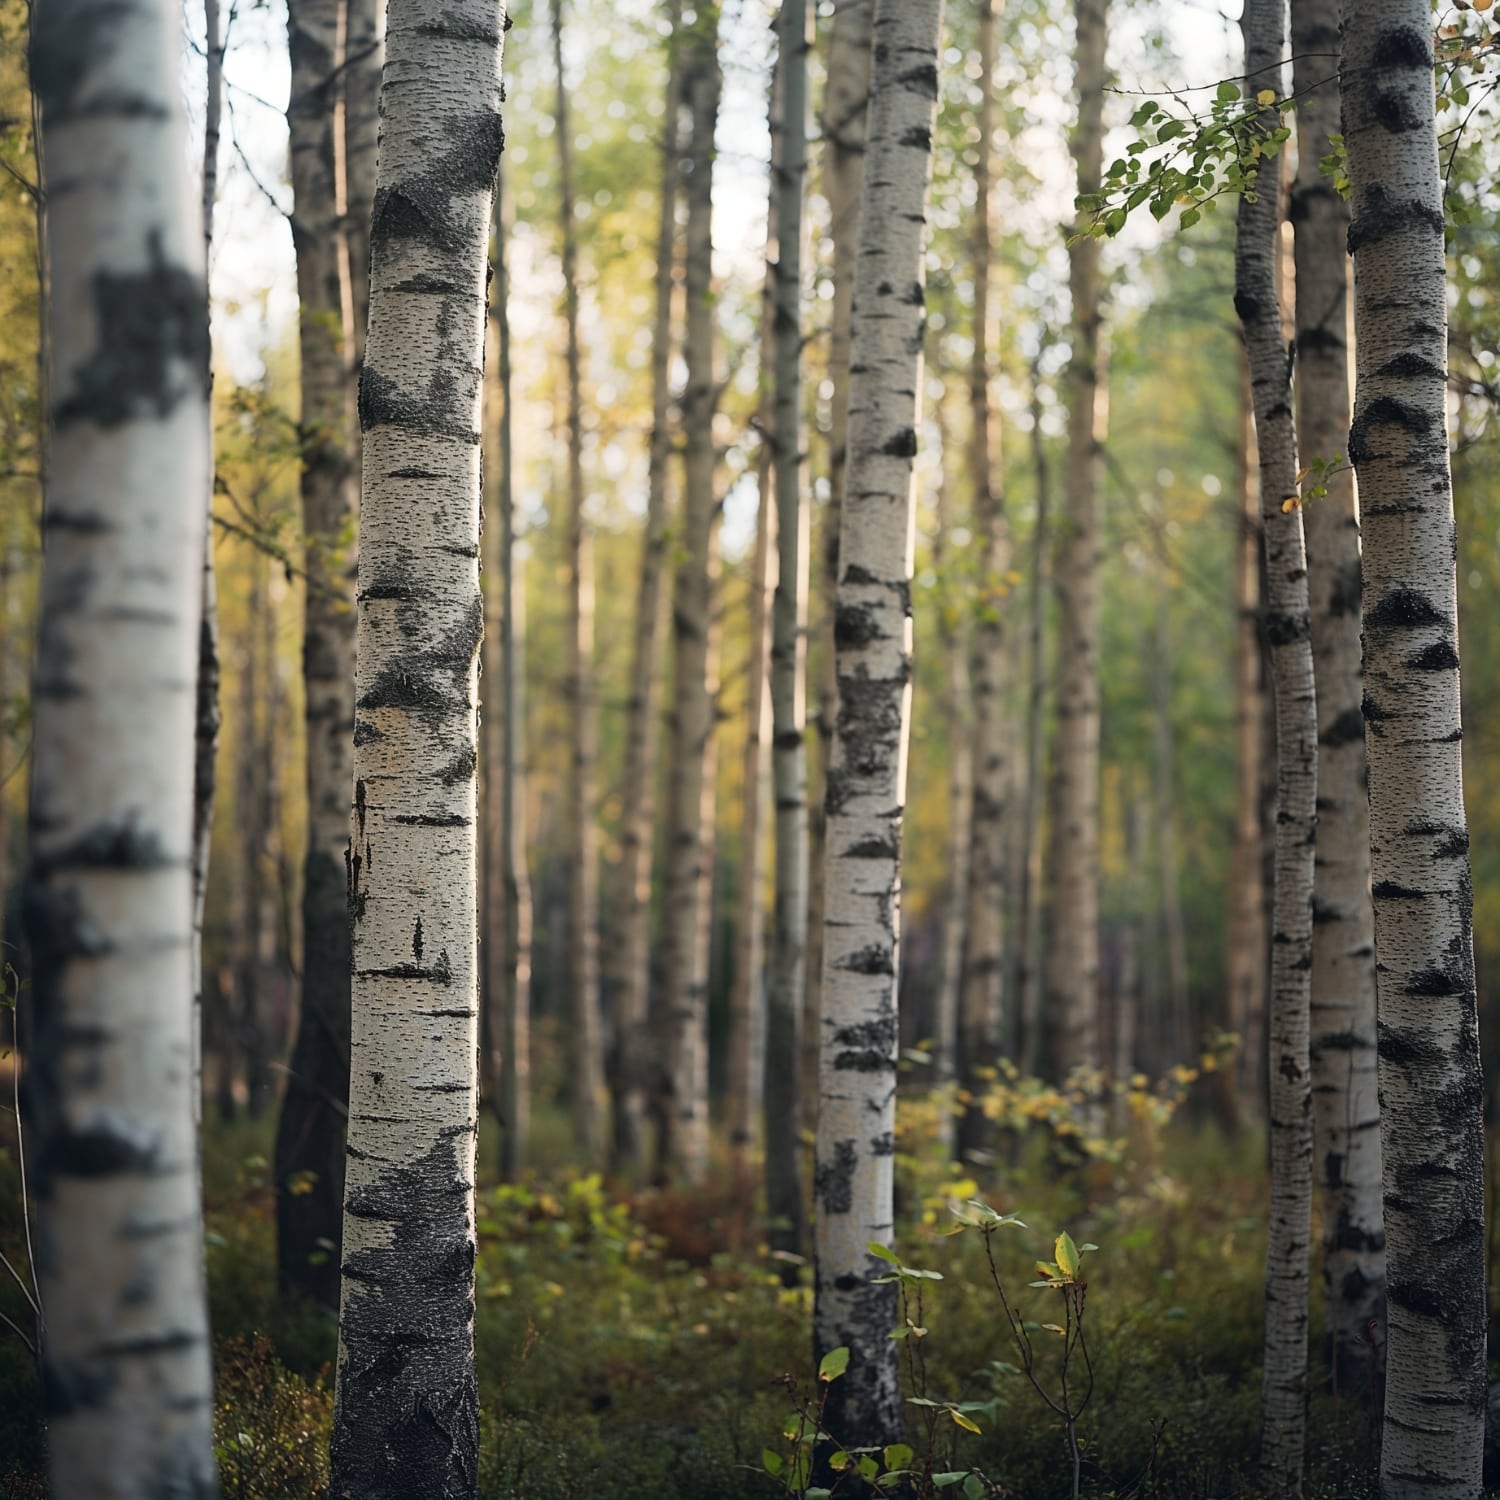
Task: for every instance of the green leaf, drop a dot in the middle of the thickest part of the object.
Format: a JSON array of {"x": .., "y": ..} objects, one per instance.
[
  {"x": 770, "y": 1461},
  {"x": 1067, "y": 1254},
  {"x": 952, "y": 1477},
  {"x": 834, "y": 1363},
  {"x": 898, "y": 1455},
  {"x": 1190, "y": 216},
  {"x": 883, "y": 1252},
  {"x": 838, "y": 1461},
  {"x": 1227, "y": 92},
  {"x": 974, "y": 1488},
  {"x": 1170, "y": 131},
  {"x": 868, "y": 1468},
  {"x": 967, "y": 1423}
]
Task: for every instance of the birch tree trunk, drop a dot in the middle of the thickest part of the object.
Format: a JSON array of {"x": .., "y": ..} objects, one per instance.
[
  {"x": 309, "y": 1154},
  {"x": 1177, "y": 1023},
  {"x": 745, "y": 1050},
  {"x": 208, "y": 717},
  {"x": 507, "y": 974},
  {"x": 586, "y": 1046},
  {"x": 108, "y": 899},
  {"x": 690, "y": 843},
  {"x": 629, "y": 956},
  {"x": 784, "y": 1006},
  {"x": 406, "y": 1412},
  {"x": 854, "y": 1177},
  {"x": 979, "y": 999},
  {"x": 845, "y": 128},
  {"x": 1027, "y": 942},
  {"x": 1256, "y": 300},
  {"x": 363, "y": 59},
  {"x": 1072, "y": 960},
  {"x": 1346, "y": 1110},
  {"x": 1246, "y": 940},
  {"x": 954, "y": 639},
  {"x": 1430, "y": 1087}
]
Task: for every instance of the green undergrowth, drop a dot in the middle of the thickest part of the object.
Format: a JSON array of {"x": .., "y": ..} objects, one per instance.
[{"x": 644, "y": 1345}]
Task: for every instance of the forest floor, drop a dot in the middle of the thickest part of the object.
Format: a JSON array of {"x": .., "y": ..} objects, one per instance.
[{"x": 634, "y": 1346}]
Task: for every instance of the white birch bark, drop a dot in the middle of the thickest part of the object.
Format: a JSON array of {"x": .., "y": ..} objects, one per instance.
[
  {"x": 108, "y": 899},
  {"x": 1256, "y": 300},
  {"x": 364, "y": 56},
  {"x": 1072, "y": 954},
  {"x": 845, "y": 127},
  {"x": 586, "y": 1044},
  {"x": 979, "y": 997},
  {"x": 1430, "y": 1086},
  {"x": 309, "y": 1153},
  {"x": 1346, "y": 1109},
  {"x": 628, "y": 957},
  {"x": 690, "y": 841},
  {"x": 854, "y": 1177},
  {"x": 406, "y": 1411},
  {"x": 784, "y": 1005}
]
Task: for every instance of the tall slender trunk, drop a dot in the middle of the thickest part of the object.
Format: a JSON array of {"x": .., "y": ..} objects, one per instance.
[
  {"x": 1256, "y": 300},
  {"x": 1178, "y": 1021},
  {"x": 207, "y": 718},
  {"x": 1072, "y": 962},
  {"x": 745, "y": 1051},
  {"x": 309, "y": 1153},
  {"x": 954, "y": 635},
  {"x": 1430, "y": 1087},
  {"x": 406, "y": 1418},
  {"x": 788, "y": 987},
  {"x": 1026, "y": 945},
  {"x": 854, "y": 1177},
  {"x": 507, "y": 926},
  {"x": 628, "y": 957},
  {"x": 845, "y": 128},
  {"x": 1346, "y": 1111},
  {"x": 690, "y": 843},
  {"x": 364, "y": 56},
  {"x": 108, "y": 899},
  {"x": 1241, "y": 1090},
  {"x": 979, "y": 1018},
  {"x": 586, "y": 1047}
]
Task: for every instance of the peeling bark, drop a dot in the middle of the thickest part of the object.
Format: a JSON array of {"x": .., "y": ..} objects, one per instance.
[
  {"x": 853, "y": 1177},
  {"x": 108, "y": 897},
  {"x": 1430, "y": 1087}
]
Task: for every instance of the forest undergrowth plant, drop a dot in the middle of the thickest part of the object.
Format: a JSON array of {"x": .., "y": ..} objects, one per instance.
[{"x": 1074, "y": 1389}]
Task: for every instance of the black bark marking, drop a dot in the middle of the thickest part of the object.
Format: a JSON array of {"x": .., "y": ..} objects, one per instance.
[
  {"x": 833, "y": 1182},
  {"x": 438, "y": 972},
  {"x": 1283, "y": 629},
  {"x": 872, "y": 959},
  {"x": 901, "y": 444},
  {"x": 1382, "y": 215},
  {"x": 1409, "y": 366},
  {"x": 1434, "y": 982},
  {"x": 874, "y": 846},
  {"x": 383, "y": 403},
  {"x": 152, "y": 350},
  {"x": 431, "y": 207},
  {"x": 1383, "y": 411},
  {"x": 461, "y": 768},
  {"x": 922, "y": 80},
  {"x": 408, "y": 1395},
  {"x": 1402, "y": 47},
  {"x": 1347, "y": 729},
  {"x": 1389, "y": 890},
  {"x": 1403, "y": 609},
  {"x": 856, "y": 626},
  {"x": 109, "y": 846},
  {"x": 1407, "y": 1047},
  {"x": 432, "y": 820},
  {"x": 365, "y": 732},
  {"x": 416, "y": 939},
  {"x": 1438, "y": 657}
]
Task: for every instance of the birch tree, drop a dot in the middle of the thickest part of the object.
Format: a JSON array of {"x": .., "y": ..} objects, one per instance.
[
  {"x": 108, "y": 898},
  {"x": 1346, "y": 1111},
  {"x": 1072, "y": 955},
  {"x": 1430, "y": 1086},
  {"x": 845, "y": 127},
  {"x": 628, "y": 956},
  {"x": 1256, "y": 300},
  {"x": 406, "y": 1407},
  {"x": 979, "y": 998},
  {"x": 788, "y": 657},
  {"x": 309, "y": 1146},
  {"x": 586, "y": 1045},
  {"x": 690, "y": 838},
  {"x": 855, "y": 1154}
]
